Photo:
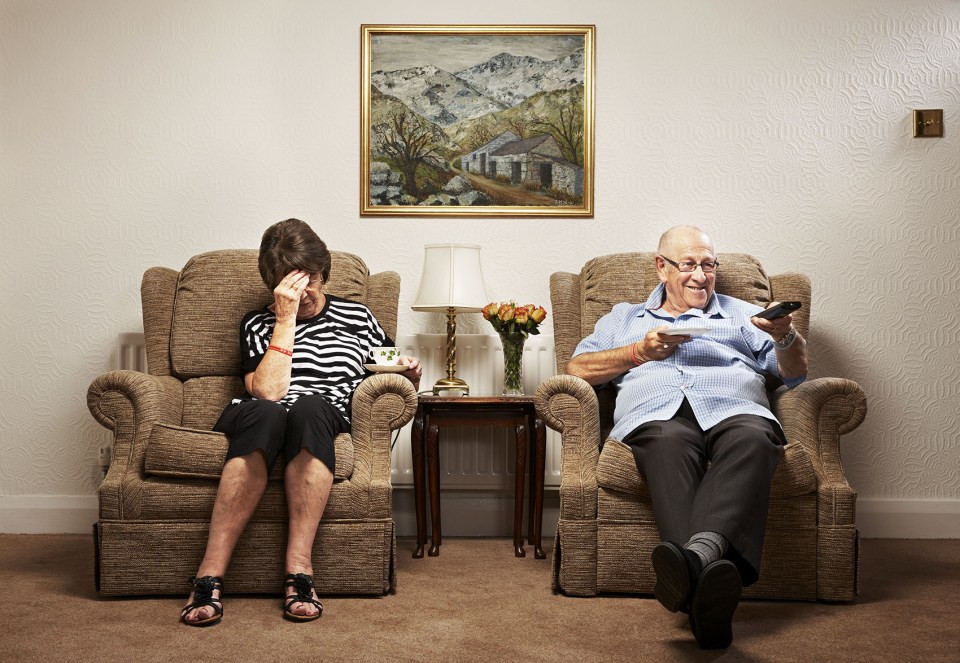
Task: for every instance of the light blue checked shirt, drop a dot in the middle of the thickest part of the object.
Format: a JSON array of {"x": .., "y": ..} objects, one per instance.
[{"x": 721, "y": 373}]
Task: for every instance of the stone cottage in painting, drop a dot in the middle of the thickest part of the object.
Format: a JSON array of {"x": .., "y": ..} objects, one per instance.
[
  {"x": 537, "y": 160},
  {"x": 476, "y": 161}
]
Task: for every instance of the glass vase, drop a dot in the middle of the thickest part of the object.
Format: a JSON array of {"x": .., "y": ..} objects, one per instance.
[{"x": 512, "y": 364}]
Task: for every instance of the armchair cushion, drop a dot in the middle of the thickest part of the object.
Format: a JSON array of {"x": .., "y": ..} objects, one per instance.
[
  {"x": 186, "y": 453},
  {"x": 210, "y": 285}
]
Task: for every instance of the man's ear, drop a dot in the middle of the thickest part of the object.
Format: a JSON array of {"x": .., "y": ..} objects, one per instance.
[{"x": 661, "y": 266}]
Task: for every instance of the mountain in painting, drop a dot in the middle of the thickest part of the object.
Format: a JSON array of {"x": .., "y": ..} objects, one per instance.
[{"x": 491, "y": 86}]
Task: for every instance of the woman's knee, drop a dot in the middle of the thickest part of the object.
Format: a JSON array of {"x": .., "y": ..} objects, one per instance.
[{"x": 316, "y": 413}]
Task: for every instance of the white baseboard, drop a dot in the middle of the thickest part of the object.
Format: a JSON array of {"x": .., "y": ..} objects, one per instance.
[
  {"x": 47, "y": 514},
  {"x": 469, "y": 513},
  {"x": 474, "y": 513},
  {"x": 908, "y": 519}
]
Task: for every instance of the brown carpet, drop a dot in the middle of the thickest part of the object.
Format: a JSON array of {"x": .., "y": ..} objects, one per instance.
[{"x": 476, "y": 602}]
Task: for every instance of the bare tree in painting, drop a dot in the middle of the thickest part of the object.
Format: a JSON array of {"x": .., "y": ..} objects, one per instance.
[
  {"x": 567, "y": 129},
  {"x": 481, "y": 133},
  {"x": 522, "y": 123},
  {"x": 410, "y": 141}
]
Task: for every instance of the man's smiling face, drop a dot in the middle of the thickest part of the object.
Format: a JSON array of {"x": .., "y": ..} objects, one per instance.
[{"x": 686, "y": 290}]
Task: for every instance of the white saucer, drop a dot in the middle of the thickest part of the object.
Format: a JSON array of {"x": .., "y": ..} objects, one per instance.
[
  {"x": 685, "y": 330},
  {"x": 377, "y": 368}
]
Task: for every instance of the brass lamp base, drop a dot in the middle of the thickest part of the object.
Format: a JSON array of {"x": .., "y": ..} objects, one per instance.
[
  {"x": 448, "y": 386},
  {"x": 451, "y": 384}
]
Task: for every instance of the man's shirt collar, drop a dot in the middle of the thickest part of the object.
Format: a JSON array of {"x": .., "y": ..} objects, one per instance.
[{"x": 655, "y": 301}]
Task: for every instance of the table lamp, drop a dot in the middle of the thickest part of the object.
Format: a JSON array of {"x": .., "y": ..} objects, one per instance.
[{"x": 451, "y": 283}]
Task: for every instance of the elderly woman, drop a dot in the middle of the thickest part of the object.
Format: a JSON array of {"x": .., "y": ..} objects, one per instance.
[{"x": 302, "y": 357}]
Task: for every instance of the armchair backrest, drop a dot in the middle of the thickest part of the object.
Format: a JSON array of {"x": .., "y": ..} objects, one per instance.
[
  {"x": 579, "y": 300},
  {"x": 191, "y": 318}
]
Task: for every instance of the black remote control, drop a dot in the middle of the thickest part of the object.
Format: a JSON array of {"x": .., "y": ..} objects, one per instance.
[{"x": 780, "y": 310}]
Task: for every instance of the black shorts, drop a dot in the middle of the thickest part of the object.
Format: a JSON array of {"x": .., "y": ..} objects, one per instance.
[{"x": 311, "y": 423}]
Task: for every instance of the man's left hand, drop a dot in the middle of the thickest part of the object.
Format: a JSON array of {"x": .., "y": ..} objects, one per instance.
[{"x": 777, "y": 328}]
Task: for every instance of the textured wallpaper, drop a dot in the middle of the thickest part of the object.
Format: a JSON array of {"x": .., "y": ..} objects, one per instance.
[{"x": 141, "y": 133}]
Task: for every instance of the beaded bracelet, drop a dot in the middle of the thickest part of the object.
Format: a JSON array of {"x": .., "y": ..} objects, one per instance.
[{"x": 283, "y": 351}]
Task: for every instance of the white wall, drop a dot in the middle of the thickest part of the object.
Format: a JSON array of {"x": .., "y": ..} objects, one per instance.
[{"x": 141, "y": 133}]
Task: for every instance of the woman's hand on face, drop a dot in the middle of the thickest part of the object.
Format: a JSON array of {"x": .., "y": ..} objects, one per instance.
[
  {"x": 288, "y": 293},
  {"x": 414, "y": 370}
]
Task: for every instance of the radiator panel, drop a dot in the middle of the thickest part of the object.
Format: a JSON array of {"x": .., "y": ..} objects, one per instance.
[{"x": 473, "y": 457}]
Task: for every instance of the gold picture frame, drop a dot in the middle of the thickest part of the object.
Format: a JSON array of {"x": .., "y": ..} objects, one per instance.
[{"x": 477, "y": 120}]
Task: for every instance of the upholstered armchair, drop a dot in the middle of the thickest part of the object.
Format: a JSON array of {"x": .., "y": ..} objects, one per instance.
[
  {"x": 158, "y": 494},
  {"x": 606, "y": 530}
]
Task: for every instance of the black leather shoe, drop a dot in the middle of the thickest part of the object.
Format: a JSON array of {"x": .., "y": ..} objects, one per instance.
[
  {"x": 676, "y": 576},
  {"x": 714, "y": 601}
]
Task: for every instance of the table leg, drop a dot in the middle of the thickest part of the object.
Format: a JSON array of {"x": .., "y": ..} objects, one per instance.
[
  {"x": 537, "y": 488},
  {"x": 532, "y": 479},
  {"x": 419, "y": 498},
  {"x": 521, "y": 472},
  {"x": 433, "y": 433}
]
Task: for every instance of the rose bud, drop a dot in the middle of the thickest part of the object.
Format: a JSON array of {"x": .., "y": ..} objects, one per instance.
[
  {"x": 505, "y": 313},
  {"x": 520, "y": 315},
  {"x": 490, "y": 310},
  {"x": 538, "y": 314}
]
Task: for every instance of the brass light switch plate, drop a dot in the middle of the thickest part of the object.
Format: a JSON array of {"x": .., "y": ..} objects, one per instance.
[{"x": 928, "y": 123}]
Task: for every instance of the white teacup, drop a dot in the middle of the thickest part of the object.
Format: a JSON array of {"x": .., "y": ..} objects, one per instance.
[{"x": 385, "y": 356}]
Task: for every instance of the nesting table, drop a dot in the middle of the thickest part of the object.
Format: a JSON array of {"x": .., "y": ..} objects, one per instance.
[{"x": 516, "y": 412}]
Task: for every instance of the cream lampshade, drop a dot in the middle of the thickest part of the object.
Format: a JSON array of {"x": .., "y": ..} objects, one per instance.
[{"x": 451, "y": 283}]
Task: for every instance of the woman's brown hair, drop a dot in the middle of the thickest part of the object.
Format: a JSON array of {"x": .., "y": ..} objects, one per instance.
[{"x": 290, "y": 245}]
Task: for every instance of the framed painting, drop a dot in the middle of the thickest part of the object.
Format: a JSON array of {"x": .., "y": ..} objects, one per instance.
[{"x": 478, "y": 120}]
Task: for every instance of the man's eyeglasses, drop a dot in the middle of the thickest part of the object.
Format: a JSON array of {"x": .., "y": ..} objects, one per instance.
[{"x": 708, "y": 266}]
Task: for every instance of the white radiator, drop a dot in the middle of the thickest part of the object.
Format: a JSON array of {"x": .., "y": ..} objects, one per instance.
[
  {"x": 131, "y": 352},
  {"x": 470, "y": 457}
]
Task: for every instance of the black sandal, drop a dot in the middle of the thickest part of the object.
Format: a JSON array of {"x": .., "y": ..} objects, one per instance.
[
  {"x": 203, "y": 589},
  {"x": 304, "y": 586}
]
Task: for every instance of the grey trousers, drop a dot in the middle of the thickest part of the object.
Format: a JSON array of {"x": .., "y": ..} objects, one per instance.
[{"x": 716, "y": 480}]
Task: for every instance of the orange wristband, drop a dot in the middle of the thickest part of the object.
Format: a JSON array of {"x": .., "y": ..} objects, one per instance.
[
  {"x": 283, "y": 351},
  {"x": 633, "y": 354}
]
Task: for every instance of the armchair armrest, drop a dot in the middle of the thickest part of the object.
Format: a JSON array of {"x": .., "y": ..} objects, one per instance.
[
  {"x": 816, "y": 414},
  {"x": 567, "y": 313},
  {"x": 381, "y": 404},
  {"x": 568, "y": 404},
  {"x": 129, "y": 403}
]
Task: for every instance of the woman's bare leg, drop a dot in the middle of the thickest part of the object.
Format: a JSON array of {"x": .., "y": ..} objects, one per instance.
[{"x": 307, "y": 482}]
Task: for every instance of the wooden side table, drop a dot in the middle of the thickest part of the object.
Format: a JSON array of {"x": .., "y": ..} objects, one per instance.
[{"x": 517, "y": 412}]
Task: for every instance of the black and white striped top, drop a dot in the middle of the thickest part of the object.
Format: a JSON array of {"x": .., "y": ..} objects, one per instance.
[{"x": 329, "y": 350}]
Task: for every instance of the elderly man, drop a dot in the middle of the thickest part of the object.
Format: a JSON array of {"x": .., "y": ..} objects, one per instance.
[{"x": 693, "y": 407}]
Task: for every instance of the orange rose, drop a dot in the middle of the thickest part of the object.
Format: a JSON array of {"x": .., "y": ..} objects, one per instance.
[
  {"x": 538, "y": 314},
  {"x": 490, "y": 310},
  {"x": 506, "y": 312},
  {"x": 520, "y": 315}
]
